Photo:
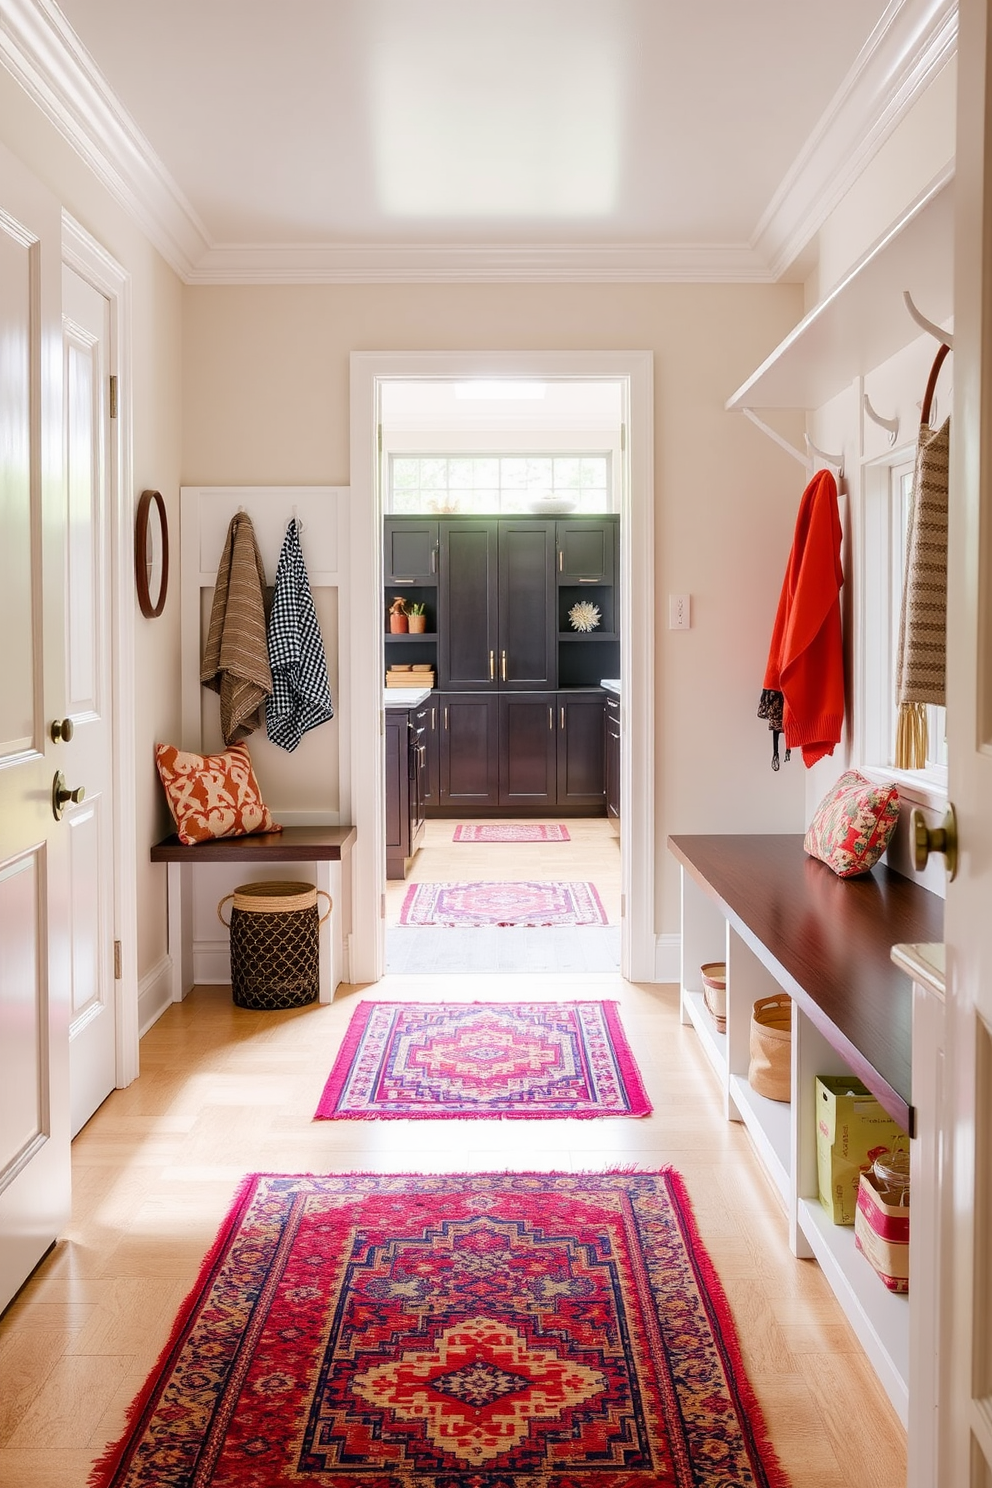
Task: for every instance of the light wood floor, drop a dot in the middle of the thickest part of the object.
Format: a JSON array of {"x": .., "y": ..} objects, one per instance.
[{"x": 224, "y": 1091}]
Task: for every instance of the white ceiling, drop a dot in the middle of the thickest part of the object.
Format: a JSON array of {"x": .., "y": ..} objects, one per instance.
[{"x": 478, "y": 138}]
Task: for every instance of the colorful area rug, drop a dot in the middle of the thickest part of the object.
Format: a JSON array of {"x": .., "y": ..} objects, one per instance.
[
  {"x": 459, "y": 905},
  {"x": 491, "y": 1331},
  {"x": 485, "y": 1059},
  {"x": 512, "y": 832}
]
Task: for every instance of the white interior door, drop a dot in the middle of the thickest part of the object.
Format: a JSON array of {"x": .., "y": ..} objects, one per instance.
[
  {"x": 966, "y": 1440},
  {"x": 87, "y": 758},
  {"x": 34, "y": 971}
]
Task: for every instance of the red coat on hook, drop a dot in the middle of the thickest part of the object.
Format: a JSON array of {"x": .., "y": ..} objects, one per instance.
[{"x": 806, "y": 657}]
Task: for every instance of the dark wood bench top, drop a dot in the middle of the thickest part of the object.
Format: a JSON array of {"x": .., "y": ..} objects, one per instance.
[
  {"x": 291, "y": 845},
  {"x": 827, "y": 940}
]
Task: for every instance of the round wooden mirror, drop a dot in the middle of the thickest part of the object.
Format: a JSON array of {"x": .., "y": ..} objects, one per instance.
[{"x": 151, "y": 554}]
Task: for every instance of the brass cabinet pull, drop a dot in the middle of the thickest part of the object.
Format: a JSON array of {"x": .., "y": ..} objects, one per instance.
[
  {"x": 492, "y": 666},
  {"x": 503, "y": 664},
  {"x": 434, "y": 559},
  {"x": 561, "y": 560},
  {"x": 404, "y": 581},
  {"x": 446, "y": 716},
  {"x": 551, "y": 717},
  {"x": 563, "y": 715},
  {"x": 433, "y": 719}
]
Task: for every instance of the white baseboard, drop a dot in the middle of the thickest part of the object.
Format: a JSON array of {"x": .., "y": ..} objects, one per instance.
[
  {"x": 668, "y": 958},
  {"x": 211, "y": 963},
  {"x": 154, "y": 994}
]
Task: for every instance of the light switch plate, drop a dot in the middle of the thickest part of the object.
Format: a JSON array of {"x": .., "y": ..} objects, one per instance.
[{"x": 678, "y": 612}]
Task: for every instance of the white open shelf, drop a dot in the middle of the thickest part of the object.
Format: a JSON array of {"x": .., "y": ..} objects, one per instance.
[
  {"x": 879, "y": 1317},
  {"x": 864, "y": 321},
  {"x": 714, "y": 1043},
  {"x": 770, "y": 1125}
]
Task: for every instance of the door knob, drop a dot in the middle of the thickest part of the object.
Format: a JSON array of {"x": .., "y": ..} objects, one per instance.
[
  {"x": 61, "y": 730},
  {"x": 61, "y": 795},
  {"x": 927, "y": 840}
]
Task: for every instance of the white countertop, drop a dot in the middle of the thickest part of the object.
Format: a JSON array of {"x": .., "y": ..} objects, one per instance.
[
  {"x": 612, "y": 684},
  {"x": 404, "y": 697}
]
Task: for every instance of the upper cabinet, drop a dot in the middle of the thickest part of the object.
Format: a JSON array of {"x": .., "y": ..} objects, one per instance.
[
  {"x": 585, "y": 552},
  {"x": 410, "y": 551}
]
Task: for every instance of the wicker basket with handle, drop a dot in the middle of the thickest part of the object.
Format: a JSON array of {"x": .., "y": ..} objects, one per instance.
[
  {"x": 275, "y": 952},
  {"x": 770, "y": 1070}
]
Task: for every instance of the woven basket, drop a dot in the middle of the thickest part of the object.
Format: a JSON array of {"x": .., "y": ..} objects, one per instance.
[
  {"x": 770, "y": 1070},
  {"x": 714, "y": 979},
  {"x": 275, "y": 953}
]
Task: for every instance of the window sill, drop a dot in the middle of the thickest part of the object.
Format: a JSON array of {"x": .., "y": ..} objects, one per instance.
[{"x": 919, "y": 789}]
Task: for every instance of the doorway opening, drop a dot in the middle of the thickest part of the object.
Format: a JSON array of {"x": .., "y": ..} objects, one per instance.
[{"x": 631, "y": 376}]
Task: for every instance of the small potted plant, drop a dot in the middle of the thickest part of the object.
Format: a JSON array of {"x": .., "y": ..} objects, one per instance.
[
  {"x": 398, "y": 622},
  {"x": 417, "y": 618}
]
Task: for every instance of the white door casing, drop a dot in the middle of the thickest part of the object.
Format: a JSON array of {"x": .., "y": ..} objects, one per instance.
[
  {"x": 87, "y": 758},
  {"x": 35, "y": 1182},
  {"x": 966, "y": 1345},
  {"x": 365, "y": 808}
]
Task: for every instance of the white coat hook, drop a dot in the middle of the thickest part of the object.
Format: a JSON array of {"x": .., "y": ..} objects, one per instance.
[
  {"x": 892, "y": 425},
  {"x": 925, "y": 324},
  {"x": 296, "y": 519},
  {"x": 836, "y": 461}
]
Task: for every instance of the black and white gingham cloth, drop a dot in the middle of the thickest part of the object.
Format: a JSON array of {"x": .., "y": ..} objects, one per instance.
[{"x": 301, "y": 694}]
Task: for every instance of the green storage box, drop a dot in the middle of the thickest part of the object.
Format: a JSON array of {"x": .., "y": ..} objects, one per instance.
[{"x": 852, "y": 1129}]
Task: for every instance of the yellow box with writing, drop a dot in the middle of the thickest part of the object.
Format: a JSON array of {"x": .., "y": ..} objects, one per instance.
[{"x": 852, "y": 1129}]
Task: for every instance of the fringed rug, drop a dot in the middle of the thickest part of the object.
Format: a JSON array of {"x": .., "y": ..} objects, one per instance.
[
  {"x": 486, "y": 1059},
  {"x": 512, "y": 832},
  {"x": 484, "y": 1331},
  {"x": 457, "y": 905}
]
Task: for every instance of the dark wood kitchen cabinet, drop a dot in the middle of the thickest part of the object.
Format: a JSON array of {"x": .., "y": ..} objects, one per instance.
[
  {"x": 496, "y": 605},
  {"x": 528, "y": 749},
  {"x": 405, "y": 813},
  {"x": 613, "y": 761},
  {"x": 469, "y": 751},
  {"x": 410, "y": 551},
  {"x": 581, "y": 750}
]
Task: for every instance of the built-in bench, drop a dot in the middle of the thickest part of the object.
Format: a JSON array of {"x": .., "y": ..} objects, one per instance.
[
  {"x": 784, "y": 921},
  {"x": 320, "y": 849}
]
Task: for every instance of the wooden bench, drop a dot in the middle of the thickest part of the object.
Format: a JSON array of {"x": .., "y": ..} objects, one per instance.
[
  {"x": 784, "y": 921},
  {"x": 321, "y": 849}
]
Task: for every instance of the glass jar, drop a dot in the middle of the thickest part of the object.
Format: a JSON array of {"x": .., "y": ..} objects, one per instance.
[{"x": 890, "y": 1178}]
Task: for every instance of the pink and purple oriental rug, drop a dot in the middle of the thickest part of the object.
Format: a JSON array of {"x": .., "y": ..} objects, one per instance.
[
  {"x": 511, "y": 832},
  {"x": 435, "y": 1060},
  {"x": 460, "y": 905},
  {"x": 490, "y": 1330}
]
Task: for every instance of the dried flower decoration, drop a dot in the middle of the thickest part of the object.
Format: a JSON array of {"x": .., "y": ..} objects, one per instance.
[{"x": 584, "y": 616}]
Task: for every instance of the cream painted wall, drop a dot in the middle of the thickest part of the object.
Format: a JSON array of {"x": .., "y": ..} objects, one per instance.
[
  {"x": 265, "y": 401},
  {"x": 156, "y": 367}
]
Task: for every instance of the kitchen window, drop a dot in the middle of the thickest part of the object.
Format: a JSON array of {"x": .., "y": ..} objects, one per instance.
[{"x": 495, "y": 485}]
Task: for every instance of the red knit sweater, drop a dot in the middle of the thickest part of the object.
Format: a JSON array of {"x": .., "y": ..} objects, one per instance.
[{"x": 806, "y": 659}]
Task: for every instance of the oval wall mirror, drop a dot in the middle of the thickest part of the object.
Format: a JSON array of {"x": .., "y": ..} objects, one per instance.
[{"x": 151, "y": 554}]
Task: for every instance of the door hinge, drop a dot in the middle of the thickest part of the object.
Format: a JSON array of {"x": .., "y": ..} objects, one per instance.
[
  {"x": 379, "y": 438},
  {"x": 113, "y": 395},
  {"x": 382, "y": 907},
  {"x": 623, "y": 436},
  {"x": 623, "y": 906},
  {"x": 118, "y": 961}
]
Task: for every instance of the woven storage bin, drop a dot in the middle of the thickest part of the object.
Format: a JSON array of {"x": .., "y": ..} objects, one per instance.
[
  {"x": 770, "y": 1070},
  {"x": 714, "y": 979},
  {"x": 275, "y": 955}
]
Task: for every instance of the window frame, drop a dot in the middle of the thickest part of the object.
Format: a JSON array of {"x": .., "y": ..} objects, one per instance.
[{"x": 398, "y": 452}]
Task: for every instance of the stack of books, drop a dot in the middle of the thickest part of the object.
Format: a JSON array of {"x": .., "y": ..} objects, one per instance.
[{"x": 421, "y": 674}]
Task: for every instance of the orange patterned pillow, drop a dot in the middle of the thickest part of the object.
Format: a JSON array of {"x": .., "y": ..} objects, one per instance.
[
  {"x": 213, "y": 795},
  {"x": 852, "y": 824}
]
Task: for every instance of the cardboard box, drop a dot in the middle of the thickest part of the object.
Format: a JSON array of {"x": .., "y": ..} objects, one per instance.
[{"x": 852, "y": 1130}]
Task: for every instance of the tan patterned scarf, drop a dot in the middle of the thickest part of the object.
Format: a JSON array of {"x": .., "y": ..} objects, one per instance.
[
  {"x": 922, "y": 654},
  {"x": 236, "y": 658}
]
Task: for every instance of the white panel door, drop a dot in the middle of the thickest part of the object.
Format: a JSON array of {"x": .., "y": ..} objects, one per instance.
[
  {"x": 966, "y": 1352},
  {"x": 34, "y": 848},
  {"x": 87, "y": 758}
]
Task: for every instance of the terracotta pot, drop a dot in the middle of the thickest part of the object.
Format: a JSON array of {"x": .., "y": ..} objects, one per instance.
[
  {"x": 417, "y": 623},
  {"x": 398, "y": 624}
]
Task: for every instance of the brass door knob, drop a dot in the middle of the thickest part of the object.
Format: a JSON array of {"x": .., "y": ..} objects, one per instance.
[
  {"x": 62, "y": 795},
  {"x": 61, "y": 730},
  {"x": 927, "y": 840}
]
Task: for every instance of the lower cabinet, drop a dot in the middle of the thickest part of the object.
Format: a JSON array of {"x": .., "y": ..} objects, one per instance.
[
  {"x": 612, "y": 745},
  {"x": 519, "y": 752},
  {"x": 405, "y": 807}
]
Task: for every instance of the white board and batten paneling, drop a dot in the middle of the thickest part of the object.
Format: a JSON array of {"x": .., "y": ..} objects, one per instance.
[{"x": 308, "y": 787}]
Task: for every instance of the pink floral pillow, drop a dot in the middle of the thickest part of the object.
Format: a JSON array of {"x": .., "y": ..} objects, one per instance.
[
  {"x": 212, "y": 795},
  {"x": 853, "y": 824}
]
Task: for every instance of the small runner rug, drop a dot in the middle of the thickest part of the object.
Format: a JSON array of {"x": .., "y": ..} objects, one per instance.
[
  {"x": 483, "y": 1331},
  {"x": 531, "y": 1060},
  {"x": 459, "y": 905},
  {"x": 512, "y": 832}
]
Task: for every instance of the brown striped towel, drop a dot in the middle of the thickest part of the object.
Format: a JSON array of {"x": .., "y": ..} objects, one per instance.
[
  {"x": 236, "y": 658},
  {"x": 922, "y": 655}
]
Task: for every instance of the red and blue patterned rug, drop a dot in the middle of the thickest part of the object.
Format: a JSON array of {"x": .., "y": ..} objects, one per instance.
[
  {"x": 511, "y": 832},
  {"x": 526, "y": 1059},
  {"x": 484, "y": 1331},
  {"x": 459, "y": 905}
]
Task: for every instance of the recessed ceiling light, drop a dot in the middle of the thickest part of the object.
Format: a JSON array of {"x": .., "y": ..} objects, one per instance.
[{"x": 504, "y": 391}]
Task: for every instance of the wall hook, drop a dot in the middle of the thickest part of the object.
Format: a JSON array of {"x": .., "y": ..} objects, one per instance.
[
  {"x": 927, "y": 325},
  {"x": 837, "y": 461},
  {"x": 892, "y": 425},
  {"x": 299, "y": 525}
]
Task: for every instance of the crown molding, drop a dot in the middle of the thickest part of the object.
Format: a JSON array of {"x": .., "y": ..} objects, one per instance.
[
  {"x": 913, "y": 41},
  {"x": 41, "y": 51},
  {"x": 418, "y": 263}
]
